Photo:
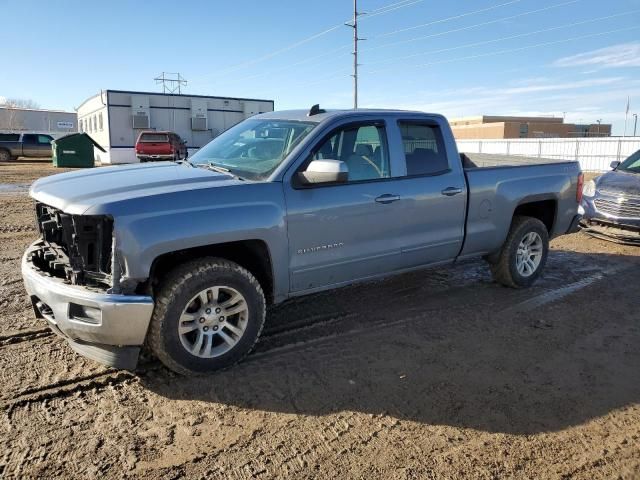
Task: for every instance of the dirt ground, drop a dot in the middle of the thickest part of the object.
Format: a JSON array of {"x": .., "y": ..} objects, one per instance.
[{"x": 436, "y": 374}]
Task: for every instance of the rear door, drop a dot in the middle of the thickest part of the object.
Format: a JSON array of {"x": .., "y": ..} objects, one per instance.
[
  {"x": 30, "y": 145},
  {"x": 34, "y": 145},
  {"x": 343, "y": 232},
  {"x": 434, "y": 194}
]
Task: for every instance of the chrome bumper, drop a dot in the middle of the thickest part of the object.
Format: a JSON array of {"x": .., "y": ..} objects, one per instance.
[{"x": 105, "y": 327}]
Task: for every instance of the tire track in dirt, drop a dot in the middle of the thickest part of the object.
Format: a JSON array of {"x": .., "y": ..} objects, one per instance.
[
  {"x": 24, "y": 336},
  {"x": 17, "y": 228},
  {"x": 553, "y": 295}
]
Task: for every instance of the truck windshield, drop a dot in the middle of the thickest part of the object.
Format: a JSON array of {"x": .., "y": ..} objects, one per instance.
[
  {"x": 631, "y": 164},
  {"x": 253, "y": 148}
]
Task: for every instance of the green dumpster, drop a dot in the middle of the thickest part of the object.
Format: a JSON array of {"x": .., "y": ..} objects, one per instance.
[{"x": 74, "y": 150}]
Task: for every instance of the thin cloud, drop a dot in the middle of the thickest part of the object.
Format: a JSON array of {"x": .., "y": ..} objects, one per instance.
[{"x": 622, "y": 55}]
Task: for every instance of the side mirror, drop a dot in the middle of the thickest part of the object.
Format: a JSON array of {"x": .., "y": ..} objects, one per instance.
[
  {"x": 615, "y": 164},
  {"x": 324, "y": 171}
]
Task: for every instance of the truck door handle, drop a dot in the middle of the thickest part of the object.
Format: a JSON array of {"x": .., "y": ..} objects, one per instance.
[
  {"x": 387, "y": 198},
  {"x": 451, "y": 191}
]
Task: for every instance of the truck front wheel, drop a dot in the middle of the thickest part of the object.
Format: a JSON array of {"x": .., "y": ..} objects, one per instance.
[
  {"x": 523, "y": 255},
  {"x": 208, "y": 315}
]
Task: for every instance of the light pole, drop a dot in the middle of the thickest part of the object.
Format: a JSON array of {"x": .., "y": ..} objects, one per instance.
[
  {"x": 599, "y": 122},
  {"x": 635, "y": 123}
]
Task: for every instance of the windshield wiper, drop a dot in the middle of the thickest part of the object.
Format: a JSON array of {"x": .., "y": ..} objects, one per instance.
[{"x": 220, "y": 169}]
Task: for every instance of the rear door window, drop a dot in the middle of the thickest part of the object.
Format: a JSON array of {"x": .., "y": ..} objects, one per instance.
[
  {"x": 154, "y": 137},
  {"x": 423, "y": 149},
  {"x": 30, "y": 139},
  {"x": 9, "y": 137}
]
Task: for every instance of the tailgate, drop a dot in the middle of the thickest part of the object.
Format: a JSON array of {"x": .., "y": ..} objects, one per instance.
[{"x": 154, "y": 148}]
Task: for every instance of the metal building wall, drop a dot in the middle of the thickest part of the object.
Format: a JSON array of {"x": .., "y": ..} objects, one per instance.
[
  {"x": 171, "y": 112},
  {"x": 38, "y": 121}
]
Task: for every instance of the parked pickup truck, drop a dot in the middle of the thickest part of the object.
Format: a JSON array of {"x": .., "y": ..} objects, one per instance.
[
  {"x": 185, "y": 256},
  {"x": 153, "y": 146},
  {"x": 14, "y": 145}
]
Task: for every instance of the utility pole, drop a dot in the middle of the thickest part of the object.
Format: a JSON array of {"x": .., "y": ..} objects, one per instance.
[
  {"x": 635, "y": 123},
  {"x": 626, "y": 115},
  {"x": 171, "y": 82},
  {"x": 356, "y": 39}
]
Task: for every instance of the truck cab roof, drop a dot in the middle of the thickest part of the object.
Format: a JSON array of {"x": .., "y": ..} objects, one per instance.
[{"x": 304, "y": 115}]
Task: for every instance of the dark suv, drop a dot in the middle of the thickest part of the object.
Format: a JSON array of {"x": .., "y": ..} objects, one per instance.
[{"x": 153, "y": 145}]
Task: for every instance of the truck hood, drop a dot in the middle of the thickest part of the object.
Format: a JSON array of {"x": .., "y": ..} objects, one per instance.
[
  {"x": 77, "y": 192},
  {"x": 620, "y": 182}
]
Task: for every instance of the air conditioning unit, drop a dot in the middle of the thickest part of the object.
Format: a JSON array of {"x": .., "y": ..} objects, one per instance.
[
  {"x": 199, "y": 114},
  {"x": 141, "y": 120},
  {"x": 140, "y": 111},
  {"x": 199, "y": 123}
]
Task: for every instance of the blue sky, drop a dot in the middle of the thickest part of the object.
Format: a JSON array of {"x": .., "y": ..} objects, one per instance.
[{"x": 580, "y": 58}]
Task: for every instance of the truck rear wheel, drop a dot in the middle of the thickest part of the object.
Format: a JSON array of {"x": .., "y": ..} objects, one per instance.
[
  {"x": 5, "y": 155},
  {"x": 208, "y": 315},
  {"x": 523, "y": 255}
]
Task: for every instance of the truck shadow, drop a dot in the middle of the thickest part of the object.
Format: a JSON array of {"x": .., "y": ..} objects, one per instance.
[{"x": 449, "y": 347}]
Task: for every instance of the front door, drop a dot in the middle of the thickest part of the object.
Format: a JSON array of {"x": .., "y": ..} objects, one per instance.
[{"x": 343, "y": 232}]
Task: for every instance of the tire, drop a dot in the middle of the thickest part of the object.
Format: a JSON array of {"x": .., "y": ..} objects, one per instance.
[
  {"x": 5, "y": 155},
  {"x": 180, "y": 297},
  {"x": 505, "y": 266}
]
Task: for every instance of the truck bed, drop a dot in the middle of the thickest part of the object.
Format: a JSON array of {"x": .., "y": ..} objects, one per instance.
[
  {"x": 499, "y": 184},
  {"x": 487, "y": 160}
]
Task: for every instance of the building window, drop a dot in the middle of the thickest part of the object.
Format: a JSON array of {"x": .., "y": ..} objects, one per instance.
[
  {"x": 95, "y": 124},
  {"x": 100, "y": 124},
  {"x": 524, "y": 130}
]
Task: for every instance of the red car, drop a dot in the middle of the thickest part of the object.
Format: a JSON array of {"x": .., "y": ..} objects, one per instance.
[{"x": 153, "y": 145}]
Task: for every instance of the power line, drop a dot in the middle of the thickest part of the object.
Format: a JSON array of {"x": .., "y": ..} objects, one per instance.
[
  {"x": 469, "y": 27},
  {"x": 482, "y": 55},
  {"x": 379, "y": 11},
  {"x": 443, "y": 20},
  {"x": 510, "y": 37},
  {"x": 510, "y": 50}
]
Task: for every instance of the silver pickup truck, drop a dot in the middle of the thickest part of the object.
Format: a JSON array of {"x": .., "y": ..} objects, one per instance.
[
  {"x": 14, "y": 145},
  {"x": 184, "y": 256}
]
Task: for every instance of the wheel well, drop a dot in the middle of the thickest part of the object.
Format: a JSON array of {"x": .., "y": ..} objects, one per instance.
[
  {"x": 250, "y": 254},
  {"x": 543, "y": 210}
]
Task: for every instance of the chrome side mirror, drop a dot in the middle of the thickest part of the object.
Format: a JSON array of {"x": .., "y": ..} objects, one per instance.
[
  {"x": 324, "y": 171},
  {"x": 615, "y": 164}
]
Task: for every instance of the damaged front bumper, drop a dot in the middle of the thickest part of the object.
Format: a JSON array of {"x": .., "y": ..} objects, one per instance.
[
  {"x": 612, "y": 232},
  {"x": 108, "y": 328}
]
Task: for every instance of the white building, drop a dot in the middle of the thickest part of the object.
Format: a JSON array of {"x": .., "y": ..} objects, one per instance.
[
  {"x": 32, "y": 120},
  {"x": 114, "y": 118}
]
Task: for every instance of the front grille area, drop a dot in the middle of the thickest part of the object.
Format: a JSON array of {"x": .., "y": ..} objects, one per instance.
[
  {"x": 75, "y": 247},
  {"x": 628, "y": 207}
]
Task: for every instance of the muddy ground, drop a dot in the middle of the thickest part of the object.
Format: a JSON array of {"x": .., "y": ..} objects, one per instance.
[{"x": 437, "y": 374}]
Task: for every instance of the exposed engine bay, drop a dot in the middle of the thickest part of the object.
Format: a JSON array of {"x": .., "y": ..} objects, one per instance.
[{"x": 78, "y": 248}]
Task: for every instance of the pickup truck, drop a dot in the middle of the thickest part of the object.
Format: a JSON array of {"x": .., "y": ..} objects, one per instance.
[
  {"x": 153, "y": 146},
  {"x": 184, "y": 257},
  {"x": 14, "y": 145}
]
